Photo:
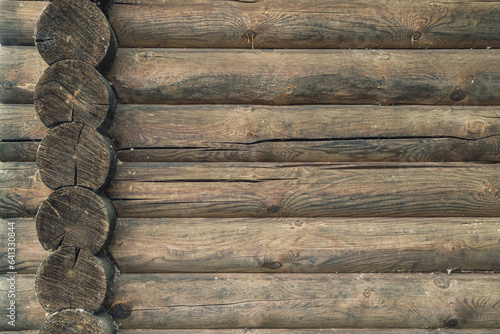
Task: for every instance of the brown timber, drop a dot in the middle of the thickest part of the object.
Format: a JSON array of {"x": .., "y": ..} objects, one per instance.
[
  {"x": 215, "y": 133},
  {"x": 141, "y": 245}
]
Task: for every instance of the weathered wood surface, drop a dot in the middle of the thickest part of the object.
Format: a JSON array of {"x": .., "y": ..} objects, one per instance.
[
  {"x": 71, "y": 277},
  {"x": 284, "y": 24},
  {"x": 284, "y": 77},
  {"x": 29, "y": 314},
  {"x": 220, "y": 300},
  {"x": 306, "y": 301},
  {"x": 74, "y": 91},
  {"x": 73, "y": 154},
  {"x": 75, "y": 30},
  {"x": 21, "y": 190},
  {"x": 203, "y": 133},
  {"x": 286, "y": 245},
  {"x": 17, "y": 21},
  {"x": 75, "y": 217},
  {"x": 301, "y": 331},
  {"x": 73, "y": 321},
  {"x": 232, "y": 190},
  {"x": 20, "y": 68}
]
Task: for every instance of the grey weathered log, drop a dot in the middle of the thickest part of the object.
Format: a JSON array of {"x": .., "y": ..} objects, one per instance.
[
  {"x": 177, "y": 301},
  {"x": 76, "y": 217},
  {"x": 283, "y": 77},
  {"x": 78, "y": 321},
  {"x": 75, "y": 29},
  {"x": 299, "y": 331},
  {"x": 20, "y": 68},
  {"x": 141, "y": 245},
  {"x": 17, "y": 21},
  {"x": 71, "y": 277},
  {"x": 73, "y": 154},
  {"x": 232, "y": 190},
  {"x": 284, "y": 24},
  {"x": 308, "y": 300},
  {"x": 74, "y": 91},
  {"x": 287, "y": 77},
  {"x": 214, "y": 133}
]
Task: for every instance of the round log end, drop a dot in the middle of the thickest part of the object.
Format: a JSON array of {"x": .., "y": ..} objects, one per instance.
[
  {"x": 74, "y": 29},
  {"x": 72, "y": 277},
  {"x": 73, "y": 154},
  {"x": 77, "y": 217},
  {"x": 73, "y": 91},
  {"x": 78, "y": 321}
]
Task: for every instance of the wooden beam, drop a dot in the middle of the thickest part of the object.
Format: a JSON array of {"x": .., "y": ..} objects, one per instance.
[
  {"x": 218, "y": 300},
  {"x": 296, "y": 331},
  {"x": 214, "y": 133},
  {"x": 283, "y": 24},
  {"x": 286, "y": 245},
  {"x": 281, "y": 77},
  {"x": 17, "y": 21},
  {"x": 239, "y": 190},
  {"x": 305, "y": 301}
]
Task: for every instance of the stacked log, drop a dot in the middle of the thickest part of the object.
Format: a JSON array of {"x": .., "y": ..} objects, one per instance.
[
  {"x": 76, "y": 160},
  {"x": 259, "y": 189}
]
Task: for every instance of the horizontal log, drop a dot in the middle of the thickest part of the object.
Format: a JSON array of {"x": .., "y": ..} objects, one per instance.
[
  {"x": 177, "y": 301},
  {"x": 283, "y": 24},
  {"x": 285, "y": 245},
  {"x": 283, "y": 77},
  {"x": 20, "y": 69},
  {"x": 29, "y": 315},
  {"x": 289, "y": 133},
  {"x": 306, "y": 301},
  {"x": 297, "y": 331},
  {"x": 17, "y": 21},
  {"x": 242, "y": 190}
]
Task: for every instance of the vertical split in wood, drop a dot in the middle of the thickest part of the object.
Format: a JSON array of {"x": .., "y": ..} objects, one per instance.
[{"x": 76, "y": 160}]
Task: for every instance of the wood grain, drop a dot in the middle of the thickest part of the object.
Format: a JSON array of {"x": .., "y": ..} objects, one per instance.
[
  {"x": 71, "y": 277},
  {"x": 21, "y": 190},
  {"x": 17, "y": 21},
  {"x": 299, "y": 331},
  {"x": 74, "y": 91},
  {"x": 29, "y": 314},
  {"x": 284, "y": 24},
  {"x": 232, "y": 190},
  {"x": 73, "y": 154},
  {"x": 20, "y": 68},
  {"x": 308, "y": 300},
  {"x": 215, "y": 133},
  {"x": 303, "y": 190},
  {"x": 305, "y": 301},
  {"x": 284, "y": 77},
  {"x": 71, "y": 321},
  {"x": 286, "y": 245},
  {"x": 75, "y": 30},
  {"x": 75, "y": 217}
]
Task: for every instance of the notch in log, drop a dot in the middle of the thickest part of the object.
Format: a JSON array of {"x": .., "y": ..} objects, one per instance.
[
  {"x": 73, "y": 277},
  {"x": 73, "y": 91},
  {"x": 78, "y": 321},
  {"x": 77, "y": 217},
  {"x": 75, "y": 29},
  {"x": 73, "y": 154}
]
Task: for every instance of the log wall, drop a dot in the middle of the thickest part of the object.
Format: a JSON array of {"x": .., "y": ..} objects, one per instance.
[{"x": 283, "y": 167}]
